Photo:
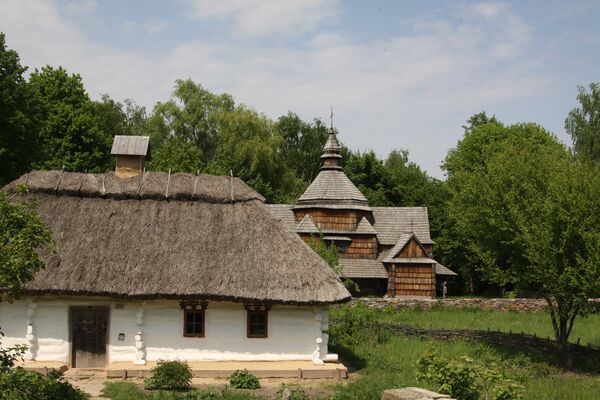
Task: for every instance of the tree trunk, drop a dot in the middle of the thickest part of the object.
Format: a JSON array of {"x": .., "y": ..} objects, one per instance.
[{"x": 563, "y": 342}]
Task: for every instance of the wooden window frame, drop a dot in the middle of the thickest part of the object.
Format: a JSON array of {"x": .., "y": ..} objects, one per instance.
[
  {"x": 202, "y": 326},
  {"x": 194, "y": 307},
  {"x": 263, "y": 310}
]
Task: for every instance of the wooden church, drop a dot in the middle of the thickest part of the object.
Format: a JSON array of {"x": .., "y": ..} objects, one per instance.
[{"x": 385, "y": 250}]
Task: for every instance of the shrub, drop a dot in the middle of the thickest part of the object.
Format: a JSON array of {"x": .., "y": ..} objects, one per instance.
[
  {"x": 466, "y": 380},
  {"x": 241, "y": 379},
  {"x": 356, "y": 325},
  {"x": 10, "y": 355},
  {"x": 18, "y": 384},
  {"x": 170, "y": 375}
]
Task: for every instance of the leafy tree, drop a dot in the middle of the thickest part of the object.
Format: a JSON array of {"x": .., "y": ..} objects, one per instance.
[
  {"x": 529, "y": 221},
  {"x": 135, "y": 118},
  {"x": 371, "y": 177},
  {"x": 249, "y": 145},
  {"x": 70, "y": 133},
  {"x": 110, "y": 115},
  {"x": 470, "y": 158},
  {"x": 583, "y": 124},
  {"x": 191, "y": 114},
  {"x": 176, "y": 154},
  {"x": 302, "y": 144},
  {"x": 18, "y": 144},
  {"x": 22, "y": 236},
  {"x": 481, "y": 118}
]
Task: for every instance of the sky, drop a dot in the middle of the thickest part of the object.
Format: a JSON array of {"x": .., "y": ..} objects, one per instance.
[{"x": 398, "y": 74}]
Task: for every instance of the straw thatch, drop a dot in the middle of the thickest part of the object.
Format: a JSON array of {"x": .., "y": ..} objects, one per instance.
[{"x": 205, "y": 237}]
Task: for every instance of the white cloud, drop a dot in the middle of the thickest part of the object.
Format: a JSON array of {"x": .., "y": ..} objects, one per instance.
[
  {"x": 81, "y": 7},
  {"x": 266, "y": 17},
  {"x": 412, "y": 91},
  {"x": 155, "y": 25}
]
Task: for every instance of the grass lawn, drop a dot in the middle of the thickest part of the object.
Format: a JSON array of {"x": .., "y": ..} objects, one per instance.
[
  {"x": 391, "y": 361},
  {"x": 539, "y": 323}
]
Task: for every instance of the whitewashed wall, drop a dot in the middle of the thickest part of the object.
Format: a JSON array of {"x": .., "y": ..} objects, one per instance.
[{"x": 292, "y": 331}]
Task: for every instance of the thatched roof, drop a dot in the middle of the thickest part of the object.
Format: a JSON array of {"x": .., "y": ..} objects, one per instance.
[{"x": 177, "y": 236}]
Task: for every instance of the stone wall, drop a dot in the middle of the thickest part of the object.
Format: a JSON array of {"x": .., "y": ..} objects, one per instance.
[{"x": 479, "y": 303}]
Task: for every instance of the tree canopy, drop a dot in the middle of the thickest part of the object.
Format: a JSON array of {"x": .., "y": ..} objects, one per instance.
[
  {"x": 22, "y": 236},
  {"x": 18, "y": 119},
  {"x": 583, "y": 123},
  {"x": 524, "y": 214}
]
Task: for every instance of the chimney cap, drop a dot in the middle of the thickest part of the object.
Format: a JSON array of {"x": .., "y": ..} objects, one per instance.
[{"x": 131, "y": 145}]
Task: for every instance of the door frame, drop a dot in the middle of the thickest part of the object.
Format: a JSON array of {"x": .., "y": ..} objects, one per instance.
[{"x": 107, "y": 340}]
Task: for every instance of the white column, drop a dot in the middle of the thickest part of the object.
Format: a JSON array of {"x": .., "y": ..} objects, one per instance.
[
  {"x": 140, "y": 349},
  {"x": 31, "y": 353},
  {"x": 324, "y": 329},
  {"x": 316, "y": 356}
]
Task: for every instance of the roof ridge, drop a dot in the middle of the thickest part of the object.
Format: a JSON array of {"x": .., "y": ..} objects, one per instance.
[{"x": 209, "y": 188}]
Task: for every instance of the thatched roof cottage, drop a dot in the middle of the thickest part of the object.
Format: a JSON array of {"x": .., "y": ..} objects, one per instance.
[{"x": 164, "y": 266}]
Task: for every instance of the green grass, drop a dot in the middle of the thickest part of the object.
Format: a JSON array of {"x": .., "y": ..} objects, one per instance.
[
  {"x": 132, "y": 391},
  {"x": 539, "y": 323},
  {"x": 390, "y": 362}
]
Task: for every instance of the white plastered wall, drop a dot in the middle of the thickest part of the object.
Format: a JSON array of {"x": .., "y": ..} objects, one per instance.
[{"x": 292, "y": 333}]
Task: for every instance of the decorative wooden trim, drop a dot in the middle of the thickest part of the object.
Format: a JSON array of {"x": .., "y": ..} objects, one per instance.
[{"x": 193, "y": 305}]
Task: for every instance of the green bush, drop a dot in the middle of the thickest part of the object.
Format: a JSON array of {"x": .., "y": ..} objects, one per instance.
[
  {"x": 466, "y": 380},
  {"x": 18, "y": 384},
  {"x": 170, "y": 375},
  {"x": 241, "y": 379},
  {"x": 356, "y": 325}
]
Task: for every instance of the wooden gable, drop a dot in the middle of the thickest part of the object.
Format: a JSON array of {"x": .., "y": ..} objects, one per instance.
[{"x": 413, "y": 249}]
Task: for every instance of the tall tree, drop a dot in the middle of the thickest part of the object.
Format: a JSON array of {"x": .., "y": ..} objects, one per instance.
[
  {"x": 469, "y": 158},
  {"x": 249, "y": 146},
  {"x": 529, "y": 221},
  {"x": 18, "y": 142},
  {"x": 302, "y": 144},
  {"x": 192, "y": 114},
  {"x": 583, "y": 123},
  {"x": 70, "y": 132},
  {"x": 176, "y": 154}
]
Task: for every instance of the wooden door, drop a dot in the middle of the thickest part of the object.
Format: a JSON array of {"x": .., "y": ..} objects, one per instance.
[{"x": 89, "y": 329}]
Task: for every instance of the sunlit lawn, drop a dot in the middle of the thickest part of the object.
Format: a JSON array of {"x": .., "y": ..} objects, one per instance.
[{"x": 539, "y": 323}]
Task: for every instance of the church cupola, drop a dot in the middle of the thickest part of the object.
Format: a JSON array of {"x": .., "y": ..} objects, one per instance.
[{"x": 331, "y": 152}]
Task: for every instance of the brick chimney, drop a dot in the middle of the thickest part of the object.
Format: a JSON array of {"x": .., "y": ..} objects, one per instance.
[{"x": 131, "y": 152}]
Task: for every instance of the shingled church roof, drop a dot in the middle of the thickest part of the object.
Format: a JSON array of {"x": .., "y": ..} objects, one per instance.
[{"x": 332, "y": 188}]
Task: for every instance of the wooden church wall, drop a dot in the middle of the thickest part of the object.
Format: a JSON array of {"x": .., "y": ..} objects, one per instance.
[
  {"x": 342, "y": 220},
  {"x": 411, "y": 280},
  {"x": 361, "y": 247}
]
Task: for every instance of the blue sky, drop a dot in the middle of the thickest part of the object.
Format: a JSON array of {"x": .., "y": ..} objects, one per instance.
[{"x": 399, "y": 74}]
